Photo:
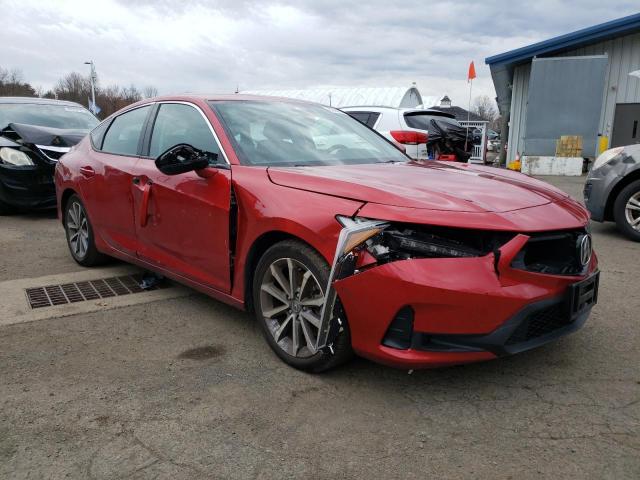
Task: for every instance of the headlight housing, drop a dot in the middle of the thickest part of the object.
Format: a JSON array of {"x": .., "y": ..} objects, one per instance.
[
  {"x": 404, "y": 241},
  {"x": 606, "y": 156},
  {"x": 11, "y": 156}
]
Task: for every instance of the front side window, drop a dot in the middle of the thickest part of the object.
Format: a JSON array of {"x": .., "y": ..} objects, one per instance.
[
  {"x": 178, "y": 123},
  {"x": 300, "y": 134},
  {"x": 123, "y": 135}
]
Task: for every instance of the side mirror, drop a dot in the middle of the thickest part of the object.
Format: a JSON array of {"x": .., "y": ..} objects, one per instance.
[{"x": 184, "y": 158}]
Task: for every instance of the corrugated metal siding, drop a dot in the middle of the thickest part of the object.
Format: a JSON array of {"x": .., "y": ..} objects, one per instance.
[
  {"x": 519, "y": 95},
  {"x": 624, "y": 57}
]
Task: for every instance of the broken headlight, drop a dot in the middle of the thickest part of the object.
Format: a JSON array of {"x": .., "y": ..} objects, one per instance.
[
  {"x": 11, "y": 156},
  {"x": 404, "y": 241}
]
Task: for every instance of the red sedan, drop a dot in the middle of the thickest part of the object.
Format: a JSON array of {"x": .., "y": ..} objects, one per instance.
[{"x": 335, "y": 239}]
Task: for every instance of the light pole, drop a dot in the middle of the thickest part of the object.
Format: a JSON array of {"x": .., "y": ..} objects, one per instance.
[{"x": 92, "y": 78}]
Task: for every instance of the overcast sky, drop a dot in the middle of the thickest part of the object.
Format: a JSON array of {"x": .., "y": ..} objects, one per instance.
[{"x": 212, "y": 46}]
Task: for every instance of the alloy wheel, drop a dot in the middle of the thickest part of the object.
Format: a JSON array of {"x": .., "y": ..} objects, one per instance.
[
  {"x": 632, "y": 211},
  {"x": 78, "y": 230},
  {"x": 291, "y": 299}
]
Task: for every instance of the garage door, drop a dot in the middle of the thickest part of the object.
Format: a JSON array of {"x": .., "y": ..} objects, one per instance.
[{"x": 565, "y": 98}]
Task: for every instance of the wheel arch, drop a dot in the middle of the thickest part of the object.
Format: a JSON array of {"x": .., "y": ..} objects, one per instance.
[
  {"x": 615, "y": 191},
  {"x": 64, "y": 198},
  {"x": 255, "y": 253}
]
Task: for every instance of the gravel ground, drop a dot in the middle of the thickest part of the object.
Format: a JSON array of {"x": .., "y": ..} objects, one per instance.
[{"x": 187, "y": 388}]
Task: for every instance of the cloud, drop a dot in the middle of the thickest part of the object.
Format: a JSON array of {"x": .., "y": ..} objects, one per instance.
[{"x": 198, "y": 46}]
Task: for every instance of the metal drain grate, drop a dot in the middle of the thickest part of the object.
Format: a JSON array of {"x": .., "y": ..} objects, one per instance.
[{"x": 51, "y": 295}]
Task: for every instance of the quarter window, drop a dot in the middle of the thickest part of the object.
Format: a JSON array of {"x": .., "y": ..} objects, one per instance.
[
  {"x": 178, "y": 123},
  {"x": 124, "y": 134},
  {"x": 368, "y": 118}
]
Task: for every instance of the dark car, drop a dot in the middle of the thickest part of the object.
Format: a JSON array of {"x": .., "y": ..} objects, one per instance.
[
  {"x": 34, "y": 134},
  {"x": 335, "y": 239},
  {"x": 612, "y": 191}
]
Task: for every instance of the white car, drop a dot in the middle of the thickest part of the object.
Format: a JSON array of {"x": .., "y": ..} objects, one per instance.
[{"x": 413, "y": 129}]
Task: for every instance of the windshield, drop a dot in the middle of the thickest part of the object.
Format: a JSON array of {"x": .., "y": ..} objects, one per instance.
[
  {"x": 300, "y": 134},
  {"x": 56, "y": 116}
]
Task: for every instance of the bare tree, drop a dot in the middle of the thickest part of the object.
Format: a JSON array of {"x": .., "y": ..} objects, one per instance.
[
  {"x": 74, "y": 87},
  {"x": 485, "y": 107},
  {"x": 149, "y": 91},
  {"x": 12, "y": 84}
]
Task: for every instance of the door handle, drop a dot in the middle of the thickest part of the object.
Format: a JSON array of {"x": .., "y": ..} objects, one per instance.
[
  {"x": 144, "y": 204},
  {"x": 87, "y": 171}
]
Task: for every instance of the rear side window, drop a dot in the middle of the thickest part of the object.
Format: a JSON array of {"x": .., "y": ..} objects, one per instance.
[
  {"x": 97, "y": 134},
  {"x": 368, "y": 118},
  {"x": 178, "y": 123},
  {"x": 423, "y": 122},
  {"x": 123, "y": 135}
]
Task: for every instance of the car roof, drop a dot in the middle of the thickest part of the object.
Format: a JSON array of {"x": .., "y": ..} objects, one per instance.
[
  {"x": 223, "y": 96},
  {"x": 38, "y": 101}
]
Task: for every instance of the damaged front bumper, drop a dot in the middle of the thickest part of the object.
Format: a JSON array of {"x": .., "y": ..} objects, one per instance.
[
  {"x": 28, "y": 187},
  {"x": 432, "y": 312}
]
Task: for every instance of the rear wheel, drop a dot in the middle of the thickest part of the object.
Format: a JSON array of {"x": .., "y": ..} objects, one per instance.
[
  {"x": 626, "y": 211},
  {"x": 79, "y": 233},
  {"x": 288, "y": 292},
  {"x": 5, "y": 209}
]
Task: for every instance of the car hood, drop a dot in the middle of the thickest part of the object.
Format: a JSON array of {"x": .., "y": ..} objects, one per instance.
[
  {"x": 43, "y": 136},
  {"x": 432, "y": 185}
]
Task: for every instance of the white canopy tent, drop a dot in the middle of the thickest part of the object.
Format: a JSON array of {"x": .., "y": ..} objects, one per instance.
[{"x": 339, "y": 97}]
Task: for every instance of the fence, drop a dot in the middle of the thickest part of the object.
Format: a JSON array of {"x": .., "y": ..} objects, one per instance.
[{"x": 479, "y": 151}]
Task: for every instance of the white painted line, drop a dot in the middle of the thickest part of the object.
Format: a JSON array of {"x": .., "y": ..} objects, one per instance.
[{"x": 14, "y": 307}]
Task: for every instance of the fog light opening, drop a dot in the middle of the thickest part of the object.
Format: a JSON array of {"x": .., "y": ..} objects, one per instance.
[{"x": 400, "y": 331}]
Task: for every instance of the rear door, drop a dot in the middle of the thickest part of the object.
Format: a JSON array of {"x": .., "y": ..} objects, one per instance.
[
  {"x": 183, "y": 225},
  {"x": 107, "y": 183}
]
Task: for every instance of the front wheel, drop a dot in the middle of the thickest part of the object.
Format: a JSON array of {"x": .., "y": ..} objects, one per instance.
[
  {"x": 80, "y": 238},
  {"x": 626, "y": 211},
  {"x": 288, "y": 293}
]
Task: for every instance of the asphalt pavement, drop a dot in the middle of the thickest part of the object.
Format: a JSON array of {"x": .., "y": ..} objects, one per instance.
[{"x": 180, "y": 386}]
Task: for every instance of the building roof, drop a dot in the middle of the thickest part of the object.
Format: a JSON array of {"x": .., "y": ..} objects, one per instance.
[
  {"x": 354, "y": 97},
  {"x": 569, "y": 41},
  {"x": 459, "y": 113}
]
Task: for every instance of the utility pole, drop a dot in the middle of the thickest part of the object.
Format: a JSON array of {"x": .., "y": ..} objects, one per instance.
[{"x": 93, "y": 80}]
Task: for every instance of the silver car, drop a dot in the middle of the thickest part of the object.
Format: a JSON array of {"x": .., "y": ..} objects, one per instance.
[{"x": 612, "y": 191}]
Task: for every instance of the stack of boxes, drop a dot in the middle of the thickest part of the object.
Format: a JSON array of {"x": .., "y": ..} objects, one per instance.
[{"x": 569, "y": 146}]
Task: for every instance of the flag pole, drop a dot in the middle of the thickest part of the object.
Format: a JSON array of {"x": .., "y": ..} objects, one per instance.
[{"x": 468, "y": 115}]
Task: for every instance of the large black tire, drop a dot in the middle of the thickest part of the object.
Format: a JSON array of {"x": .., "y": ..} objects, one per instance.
[
  {"x": 620, "y": 210},
  {"x": 304, "y": 257},
  {"x": 6, "y": 209},
  {"x": 87, "y": 255}
]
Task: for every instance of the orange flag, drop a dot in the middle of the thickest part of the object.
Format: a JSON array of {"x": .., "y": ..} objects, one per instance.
[{"x": 472, "y": 72}]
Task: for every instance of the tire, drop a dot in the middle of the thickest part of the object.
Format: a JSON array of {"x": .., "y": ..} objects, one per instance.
[
  {"x": 79, "y": 233},
  {"x": 272, "y": 313},
  {"x": 626, "y": 210},
  {"x": 6, "y": 209}
]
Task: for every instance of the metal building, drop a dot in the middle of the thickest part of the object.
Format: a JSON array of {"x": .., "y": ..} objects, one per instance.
[
  {"x": 582, "y": 83},
  {"x": 339, "y": 97}
]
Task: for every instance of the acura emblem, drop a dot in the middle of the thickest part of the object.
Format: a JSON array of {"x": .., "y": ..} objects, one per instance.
[{"x": 584, "y": 249}]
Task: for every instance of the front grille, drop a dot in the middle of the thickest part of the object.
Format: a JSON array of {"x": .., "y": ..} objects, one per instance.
[
  {"x": 51, "y": 295},
  {"x": 554, "y": 253},
  {"x": 540, "y": 323}
]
